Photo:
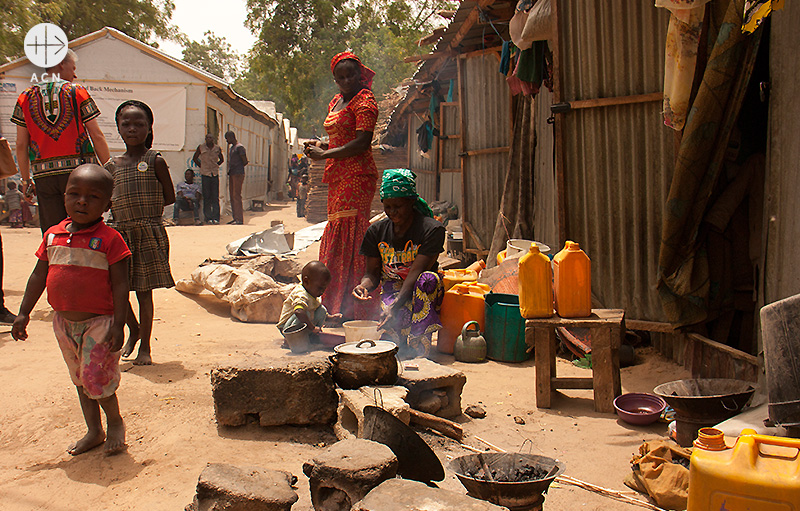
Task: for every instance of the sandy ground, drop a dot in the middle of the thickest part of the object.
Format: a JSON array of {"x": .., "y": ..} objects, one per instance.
[{"x": 169, "y": 411}]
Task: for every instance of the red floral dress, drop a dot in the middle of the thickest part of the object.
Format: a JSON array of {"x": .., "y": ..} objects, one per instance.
[{"x": 351, "y": 187}]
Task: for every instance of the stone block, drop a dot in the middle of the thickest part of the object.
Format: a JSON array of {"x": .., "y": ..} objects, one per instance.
[
  {"x": 224, "y": 487},
  {"x": 432, "y": 387},
  {"x": 350, "y": 422},
  {"x": 403, "y": 494},
  {"x": 278, "y": 391},
  {"x": 345, "y": 472}
]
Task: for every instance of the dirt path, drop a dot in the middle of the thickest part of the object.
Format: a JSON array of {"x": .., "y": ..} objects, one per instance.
[{"x": 169, "y": 411}]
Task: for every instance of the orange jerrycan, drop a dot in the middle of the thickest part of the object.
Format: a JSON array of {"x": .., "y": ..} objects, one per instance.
[
  {"x": 535, "y": 285},
  {"x": 463, "y": 303},
  {"x": 572, "y": 282},
  {"x": 458, "y": 276},
  {"x": 759, "y": 473}
]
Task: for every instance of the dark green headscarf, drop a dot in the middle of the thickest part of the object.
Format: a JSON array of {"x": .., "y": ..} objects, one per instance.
[{"x": 398, "y": 183}]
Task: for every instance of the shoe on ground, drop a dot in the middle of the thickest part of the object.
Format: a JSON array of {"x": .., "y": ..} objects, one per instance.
[
  {"x": 232, "y": 222},
  {"x": 6, "y": 316},
  {"x": 238, "y": 223},
  {"x": 198, "y": 222},
  {"x": 169, "y": 222}
]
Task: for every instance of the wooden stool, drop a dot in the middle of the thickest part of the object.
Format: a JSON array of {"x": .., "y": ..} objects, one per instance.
[{"x": 607, "y": 327}]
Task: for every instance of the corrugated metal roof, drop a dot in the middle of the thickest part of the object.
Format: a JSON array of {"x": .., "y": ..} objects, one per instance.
[{"x": 618, "y": 160}]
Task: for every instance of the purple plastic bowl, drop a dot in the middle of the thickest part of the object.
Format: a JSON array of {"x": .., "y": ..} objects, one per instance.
[{"x": 639, "y": 408}]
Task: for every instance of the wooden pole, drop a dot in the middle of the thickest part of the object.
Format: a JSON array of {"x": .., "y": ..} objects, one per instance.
[{"x": 558, "y": 127}]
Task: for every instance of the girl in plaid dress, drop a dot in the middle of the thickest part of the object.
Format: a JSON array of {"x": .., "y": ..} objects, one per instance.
[{"x": 142, "y": 187}]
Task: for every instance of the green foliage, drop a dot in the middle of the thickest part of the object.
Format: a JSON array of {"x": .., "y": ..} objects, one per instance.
[
  {"x": 290, "y": 63},
  {"x": 140, "y": 19},
  {"x": 212, "y": 54}
]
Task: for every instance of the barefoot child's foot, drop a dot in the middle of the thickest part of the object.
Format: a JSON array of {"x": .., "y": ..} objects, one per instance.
[
  {"x": 91, "y": 440},
  {"x": 143, "y": 359},
  {"x": 130, "y": 344},
  {"x": 115, "y": 442}
]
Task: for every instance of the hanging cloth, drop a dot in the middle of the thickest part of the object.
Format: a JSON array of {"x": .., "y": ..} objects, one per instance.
[
  {"x": 756, "y": 11},
  {"x": 451, "y": 90},
  {"x": 505, "y": 58},
  {"x": 530, "y": 67},
  {"x": 683, "y": 39},
  {"x": 425, "y": 136}
]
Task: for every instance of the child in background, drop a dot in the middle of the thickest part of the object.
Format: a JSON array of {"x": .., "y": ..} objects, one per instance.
[
  {"x": 14, "y": 200},
  {"x": 302, "y": 195},
  {"x": 303, "y": 304},
  {"x": 187, "y": 198},
  {"x": 142, "y": 187},
  {"x": 83, "y": 263}
]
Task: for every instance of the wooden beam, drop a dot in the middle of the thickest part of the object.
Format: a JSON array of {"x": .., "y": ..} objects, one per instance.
[
  {"x": 619, "y": 100},
  {"x": 423, "y": 171},
  {"x": 477, "y": 53},
  {"x": 429, "y": 56},
  {"x": 558, "y": 127},
  {"x": 444, "y": 171},
  {"x": 488, "y": 150},
  {"x": 649, "y": 326},
  {"x": 463, "y": 140},
  {"x": 473, "y": 234}
]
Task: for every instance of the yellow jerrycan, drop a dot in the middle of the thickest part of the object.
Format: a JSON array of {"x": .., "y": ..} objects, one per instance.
[
  {"x": 759, "y": 473},
  {"x": 535, "y": 285},
  {"x": 572, "y": 282}
]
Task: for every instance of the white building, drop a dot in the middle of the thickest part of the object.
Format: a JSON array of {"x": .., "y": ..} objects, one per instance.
[{"x": 187, "y": 103}]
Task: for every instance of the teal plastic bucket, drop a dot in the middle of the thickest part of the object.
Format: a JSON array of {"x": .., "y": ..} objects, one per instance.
[{"x": 505, "y": 329}]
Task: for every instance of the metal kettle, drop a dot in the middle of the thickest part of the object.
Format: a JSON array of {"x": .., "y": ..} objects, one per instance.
[{"x": 470, "y": 345}]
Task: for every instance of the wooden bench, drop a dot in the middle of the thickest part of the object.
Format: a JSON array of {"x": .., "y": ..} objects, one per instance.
[{"x": 607, "y": 328}]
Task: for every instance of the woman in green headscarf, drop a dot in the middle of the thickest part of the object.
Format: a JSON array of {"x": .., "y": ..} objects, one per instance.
[{"x": 401, "y": 257}]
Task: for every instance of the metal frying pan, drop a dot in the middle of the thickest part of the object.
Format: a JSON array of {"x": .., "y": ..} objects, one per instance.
[{"x": 416, "y": 459}]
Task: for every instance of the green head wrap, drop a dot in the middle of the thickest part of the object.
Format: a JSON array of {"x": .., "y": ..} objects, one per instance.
[{"x": 398, "y": 183}]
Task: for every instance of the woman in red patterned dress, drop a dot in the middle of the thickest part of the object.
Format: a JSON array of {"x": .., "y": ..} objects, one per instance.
[{"x": 352, "y": 177}]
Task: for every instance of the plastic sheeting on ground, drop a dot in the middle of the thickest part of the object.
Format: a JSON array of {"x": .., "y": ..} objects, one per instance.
[{"x": 273, "y": 241}]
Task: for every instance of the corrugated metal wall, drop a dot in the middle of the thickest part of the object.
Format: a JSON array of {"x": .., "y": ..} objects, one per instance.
[
  {"x": 618, "y": 160},
  {"x": 449, "y": 181},
  {"x": 424, "y": 166},
  {"x": 781, "y": 201},
  {"x": 545, "y": 198},
  {"x": 487, "y": 111}
]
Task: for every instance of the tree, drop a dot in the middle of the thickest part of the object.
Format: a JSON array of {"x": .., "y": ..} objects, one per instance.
[
  {"x": 212, "y": 54},
  {"x": 290, "y": 62},
  {"x": 140, "y": 19}
]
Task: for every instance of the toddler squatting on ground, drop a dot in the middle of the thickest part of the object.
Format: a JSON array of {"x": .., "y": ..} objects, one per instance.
[
  {"x": 303, "y": 304},
  {"x": 84, "y": 265}
]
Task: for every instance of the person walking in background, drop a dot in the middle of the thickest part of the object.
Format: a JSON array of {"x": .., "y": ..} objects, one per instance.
[
  {"x": 14, "y": 202},
  {"x": 142, "y": 187},
  {"x": 208, "y": 157},
  {"x": 187, "y": 198},
  {"x": 351, "y": 175},
  {"x": 55, "y": 120},
  {"x": 302, "y": 195},
  {"x": 237, "y": 160}
]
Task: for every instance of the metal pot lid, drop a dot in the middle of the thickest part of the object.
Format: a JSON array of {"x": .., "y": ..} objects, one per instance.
[{"x": 366, "y": 347}]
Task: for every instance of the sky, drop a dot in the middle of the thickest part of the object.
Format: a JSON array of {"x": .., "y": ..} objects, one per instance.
[{"x": 225, "y": 19}]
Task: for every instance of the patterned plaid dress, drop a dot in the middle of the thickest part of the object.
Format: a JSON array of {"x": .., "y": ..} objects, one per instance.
[
  {"x": 351, "y": 186},
  {"x": 138, "y": 205}
]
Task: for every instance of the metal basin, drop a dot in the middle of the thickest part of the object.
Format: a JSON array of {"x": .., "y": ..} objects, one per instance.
[
  {"x": 704, "y": 402},
  {"x": 505, "y": 490}
]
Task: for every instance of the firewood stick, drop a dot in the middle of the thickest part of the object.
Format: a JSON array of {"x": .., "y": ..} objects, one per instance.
[
  {"x": 491, "y": 446},
  {"x": 444, "y": 426}
]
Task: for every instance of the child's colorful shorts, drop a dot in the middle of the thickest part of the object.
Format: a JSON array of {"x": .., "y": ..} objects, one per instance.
[{"x": 90, "y": 362}]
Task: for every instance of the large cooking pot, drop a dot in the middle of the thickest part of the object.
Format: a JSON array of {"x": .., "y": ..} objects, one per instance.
[{"x": 366, "y": 362}]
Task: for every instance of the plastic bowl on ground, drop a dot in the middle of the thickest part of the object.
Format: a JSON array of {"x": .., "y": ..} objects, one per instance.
[
  {"x": 359, "y": 330},
  {"x": 639, "y": 408}
]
